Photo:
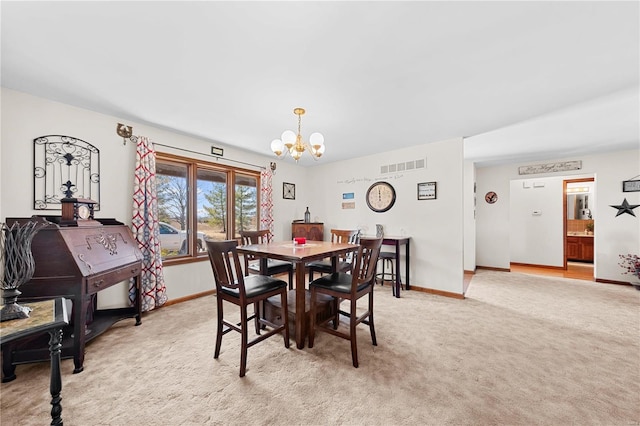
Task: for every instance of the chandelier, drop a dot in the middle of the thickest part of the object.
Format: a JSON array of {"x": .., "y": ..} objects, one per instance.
[{"x": 294, "y": 145}]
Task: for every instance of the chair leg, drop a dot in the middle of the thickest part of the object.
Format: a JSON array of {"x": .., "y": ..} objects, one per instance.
[
  {"x": 336, "y": 307},
  {"x": 256, "y": 310},
  {"x": 372, "y": 328},
  {"x": 285, "y": 317},
  {"x": 352, "y": 334},
  {"x": 291, "y": 279},
  {"x": 220, "y": 329},
  {"x": 310, "y": 274},
  {"x": 312, "y": 325},
  {"x": 244, "y": 340}
]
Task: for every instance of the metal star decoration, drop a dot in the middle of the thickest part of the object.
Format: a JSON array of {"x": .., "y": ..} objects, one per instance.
[{"x": 625, "y": 207}]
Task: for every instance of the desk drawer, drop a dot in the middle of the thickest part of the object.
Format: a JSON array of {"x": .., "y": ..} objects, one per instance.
[{"x": 107, "y": 279}]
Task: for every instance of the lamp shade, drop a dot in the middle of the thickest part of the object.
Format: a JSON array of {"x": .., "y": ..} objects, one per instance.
[
  {"x": 277, "y": 147},
  {"x": 316, "y": 139},
  {"x": 288, "y": 137}
]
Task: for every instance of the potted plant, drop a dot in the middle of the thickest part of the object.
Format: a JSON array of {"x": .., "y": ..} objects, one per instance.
[
  {"x": 588, "y": 228},
  {"x": 631, "y": 265}
]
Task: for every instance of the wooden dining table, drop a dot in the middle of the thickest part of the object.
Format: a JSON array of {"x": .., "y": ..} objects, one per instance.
[{"x": 299, "y": 255}]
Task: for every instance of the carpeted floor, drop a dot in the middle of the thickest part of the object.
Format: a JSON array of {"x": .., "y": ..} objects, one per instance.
[{"x": 520, "y": 350}]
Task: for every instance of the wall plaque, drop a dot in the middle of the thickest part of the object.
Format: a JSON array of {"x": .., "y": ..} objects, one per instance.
[{"x": 561, "y": 166}]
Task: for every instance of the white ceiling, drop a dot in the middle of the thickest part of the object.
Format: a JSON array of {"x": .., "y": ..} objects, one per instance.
[{"x": 521, "y": 80}]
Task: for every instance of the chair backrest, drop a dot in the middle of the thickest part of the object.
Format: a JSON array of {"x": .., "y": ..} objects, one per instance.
[
  {"x": 255, "y": 237},
  {"x": 351, "y": 236},
  {"x": 364, "y": 269},
  {"x": 345, "y": 235},
  {"x": 225, "y": 262}
]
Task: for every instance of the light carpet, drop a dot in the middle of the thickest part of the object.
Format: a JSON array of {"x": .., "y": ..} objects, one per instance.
[{"x": 519, "y": 350}]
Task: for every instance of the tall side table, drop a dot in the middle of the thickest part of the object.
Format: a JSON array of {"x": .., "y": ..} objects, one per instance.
[
  {"x": 396, "y": 242},
  {"x": 48, "y": 316}
]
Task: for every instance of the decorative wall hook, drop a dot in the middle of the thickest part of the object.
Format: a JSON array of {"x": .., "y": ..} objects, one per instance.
[
  {"x": 125, "y": 132},
  {"x": 272, "y": 166}
]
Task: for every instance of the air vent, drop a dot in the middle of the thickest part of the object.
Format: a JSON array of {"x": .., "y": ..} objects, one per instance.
[{"x": 404, "y": 166}]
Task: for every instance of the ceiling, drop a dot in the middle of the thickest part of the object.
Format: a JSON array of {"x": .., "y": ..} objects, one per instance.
[{"x": 520, "y": 80}]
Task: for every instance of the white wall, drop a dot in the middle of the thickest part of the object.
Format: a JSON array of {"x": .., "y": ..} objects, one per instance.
[
  {"x": 470, "y": 200},
  {"x": 506, "y": 230},
  {"x": 536, "y": 226},
  {"x": 435, "y": 226},
  {"x": 25, "y": 117}
]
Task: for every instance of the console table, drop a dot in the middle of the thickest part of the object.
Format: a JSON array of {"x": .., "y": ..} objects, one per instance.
[
  {"x": 48, "y": 316},
  {"x": 309, "y": 230}
]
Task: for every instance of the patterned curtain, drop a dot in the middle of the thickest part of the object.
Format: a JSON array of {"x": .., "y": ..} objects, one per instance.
[
  {"x": 144, "y": 225},
  {"x": 266, "y": 200}
]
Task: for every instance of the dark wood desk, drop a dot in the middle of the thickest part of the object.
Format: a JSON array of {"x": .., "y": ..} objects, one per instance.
[
  {"x": 299, "y": 255},
  {"x": 396, "y": 242},
  {"x": 77, "y": 263},
  {"x": 48, "y": 316}
]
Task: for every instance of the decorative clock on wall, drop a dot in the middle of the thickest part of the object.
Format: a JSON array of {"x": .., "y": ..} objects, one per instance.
[
  {"x": 77, "y": 212},
  {"x": 491, "y": 197},
  {"x": 381, "y": 196}
]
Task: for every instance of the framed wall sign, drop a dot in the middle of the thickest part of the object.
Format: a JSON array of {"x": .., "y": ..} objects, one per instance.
[
  {"x": 288, "y": 191},
  {"x": 630, "y": 185},
  {"x": 427, "y": 191}
]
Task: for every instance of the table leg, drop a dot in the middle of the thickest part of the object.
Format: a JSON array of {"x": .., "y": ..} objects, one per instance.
[
  {"x": 398, "y": 278},
  {"x": 80, "y": 305},
  {"x": 407, "y": 285},
  {"x": 55, "y": 344},
  {"x": 300, "y": 303}
]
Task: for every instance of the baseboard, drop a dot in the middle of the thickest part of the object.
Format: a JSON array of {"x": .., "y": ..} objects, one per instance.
[
  {"x": 189, "y": 297},
  {"x": 491, "y": 268},
  {"x": 532, "y": 265},
  {"x": 602, "y": 280},
  {"x": 437, "y": 292}
]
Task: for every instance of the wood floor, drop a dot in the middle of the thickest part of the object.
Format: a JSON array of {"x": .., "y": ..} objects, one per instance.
[{"x": 575, "y": 270}]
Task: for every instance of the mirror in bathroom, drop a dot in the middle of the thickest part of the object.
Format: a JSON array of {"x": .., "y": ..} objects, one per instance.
[{"x": 579, "y": 206}]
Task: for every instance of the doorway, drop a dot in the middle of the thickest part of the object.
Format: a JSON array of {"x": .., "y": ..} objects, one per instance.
[{"x": 579, "y": 225}]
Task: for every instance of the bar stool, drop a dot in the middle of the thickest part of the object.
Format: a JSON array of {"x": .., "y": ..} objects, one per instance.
[{"x": 389, "y": 258}]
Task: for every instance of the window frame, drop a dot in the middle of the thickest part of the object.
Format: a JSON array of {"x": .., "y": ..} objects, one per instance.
[{"x": 193, "y": 165}]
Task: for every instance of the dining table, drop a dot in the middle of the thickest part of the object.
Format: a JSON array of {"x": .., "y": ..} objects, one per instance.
[{"x": 299, "y": 255}]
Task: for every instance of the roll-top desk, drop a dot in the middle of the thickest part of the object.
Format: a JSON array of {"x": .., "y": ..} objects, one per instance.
[{"x": 76, "y": 262}]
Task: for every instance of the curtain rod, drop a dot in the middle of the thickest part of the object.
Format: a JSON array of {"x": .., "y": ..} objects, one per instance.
[{"x": 210, "y": 155}]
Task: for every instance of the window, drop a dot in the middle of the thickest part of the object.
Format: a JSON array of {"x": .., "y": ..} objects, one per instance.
[{"x": 199, "y": 201}]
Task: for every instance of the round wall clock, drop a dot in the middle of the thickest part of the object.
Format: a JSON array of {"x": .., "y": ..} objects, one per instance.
[
  {"x": 491, "y": 197},
  {"x": 381, "y": 196}
]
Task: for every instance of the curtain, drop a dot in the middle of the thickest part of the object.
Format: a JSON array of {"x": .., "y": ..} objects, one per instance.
[
  {"x": 266, "y": 200},
  {"x": 144, "y": 225}
]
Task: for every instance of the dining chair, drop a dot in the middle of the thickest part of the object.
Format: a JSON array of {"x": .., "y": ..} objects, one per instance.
[
  {"x": 243, "y": 290},
  {"x": 252, "y": 264},
  {"x": 345, "y": 262},
  {"x": 349, "y": 286}
]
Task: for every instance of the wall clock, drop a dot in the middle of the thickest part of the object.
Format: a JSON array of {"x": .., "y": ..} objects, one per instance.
[
  {"x": 381, "y": 196},
  {"x": 77, "y": 212},
  {"x": 491, "y": 197}
]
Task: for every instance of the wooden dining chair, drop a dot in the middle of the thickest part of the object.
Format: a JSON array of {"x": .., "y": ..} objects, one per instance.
[
  {"x": 252, "y": 264},
  {"x": 234, "y": 287},
  {"x": 349, "y": 286},
  {"x": 345, "y": 262}
]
